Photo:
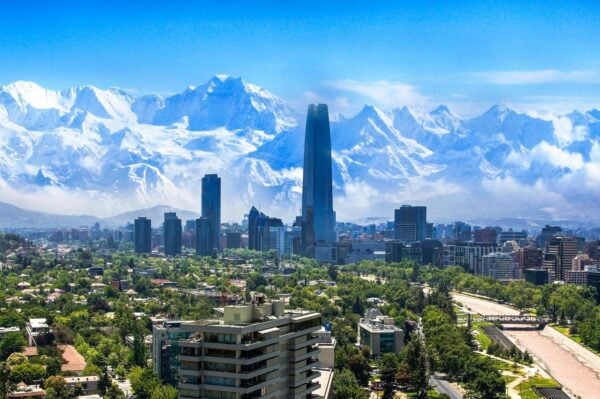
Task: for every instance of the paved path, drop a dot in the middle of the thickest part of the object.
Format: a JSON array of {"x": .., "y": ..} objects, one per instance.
[
  {"x": 443, "y": 386},
  {"x": 574, "y": 367}
]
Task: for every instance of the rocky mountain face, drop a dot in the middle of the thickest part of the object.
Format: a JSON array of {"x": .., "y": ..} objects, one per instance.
[{"x": 86, "y": 150}]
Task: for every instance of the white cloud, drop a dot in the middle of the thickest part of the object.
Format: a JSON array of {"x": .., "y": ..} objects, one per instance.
[
  {"x": 549, "y": 154},
  {"x": 383, "y": 93},
  {"x": 542, "y": 76}
]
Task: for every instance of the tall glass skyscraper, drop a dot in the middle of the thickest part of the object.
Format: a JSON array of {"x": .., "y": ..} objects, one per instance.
[
  {"x": 211, "y": 208},
  {"x": 317, "y": 196},
  {"x": 172, "y": 234},
  {"x": 410, "y": 223},
  {"x": 142, "y": 235}
]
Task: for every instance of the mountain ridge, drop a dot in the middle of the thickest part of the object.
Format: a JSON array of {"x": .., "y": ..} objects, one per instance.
[{"x": 105, "y": 151}]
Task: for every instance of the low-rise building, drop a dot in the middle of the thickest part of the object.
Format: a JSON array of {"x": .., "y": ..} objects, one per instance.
[
  {"x": 35, "y": 328},
  {"x": 380, "y": 334},
  {"x": 88, "y": 383}
]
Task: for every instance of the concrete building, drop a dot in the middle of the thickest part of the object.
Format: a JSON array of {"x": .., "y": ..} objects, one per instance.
[
  {"x": 379, "y": 333},
  {"x": 88, "y": 383},
  {"x": 165, "y": 349},
  {"x": 498, "y": 265},
  {"x": 467, "y": 254},
  {"x": 36, "y": 328},
  {"x": 410, "y": 223},
  {"x": 257, "y": 350},
  {"x": 561, "y": 250},
  {"x": 486, "y": 235}
]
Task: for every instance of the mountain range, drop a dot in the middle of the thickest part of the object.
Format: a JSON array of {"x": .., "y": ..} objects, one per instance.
[{"x": 86, "y": 150}]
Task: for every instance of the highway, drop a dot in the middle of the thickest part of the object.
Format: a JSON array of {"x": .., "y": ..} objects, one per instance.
[{"x": 574, "y": 367}]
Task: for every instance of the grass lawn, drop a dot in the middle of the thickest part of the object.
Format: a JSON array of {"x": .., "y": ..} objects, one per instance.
[
  {"x": 565, "y": 331},
  {"x": 525, "y": 388},
  {"x": 481, "y": 336},
  {"x": 432, "y": 394}
]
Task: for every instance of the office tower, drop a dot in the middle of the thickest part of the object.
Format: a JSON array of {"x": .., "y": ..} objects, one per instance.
[
  {"x": 233, "y": 239},
  {"x": 487, "y": 234},
  {"x": 532, "y": 258},
  {"x": 318, "y": 217},
  {"x": 172, "y": 234},
  {"x": 204, "y": 237},
  {"x": 498, "y": 265},
  {"x": 257, "y": 350},
  {"x": 510, "y": 235},
  {"x": 211, "y": 207},
  {"x": 558, "y": 256},
  {"x": 259, "y": 226},
  {"x": 462, "y": 231},
  {"x": 142, "y": 235},
  {"x": 547, "y": 233},
  {"x": 410, "y": 223}
]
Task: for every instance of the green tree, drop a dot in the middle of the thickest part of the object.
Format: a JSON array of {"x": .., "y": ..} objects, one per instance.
[
  {"x": 163, "y": 392},
  {"x": 143, "y": 382},
  {"x": 388, "y": 368},
  {"x": 345, "y": 386},
  {"x": 11, "y": 343},
  {"x": 417, "y": 365},
  {"x": 27, "y": 373},
  {"x": 113, "y": 392},
  {"x": 56, "y": 388}
]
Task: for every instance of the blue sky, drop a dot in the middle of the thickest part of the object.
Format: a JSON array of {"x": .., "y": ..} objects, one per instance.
[{"x": 466, "y": 54}]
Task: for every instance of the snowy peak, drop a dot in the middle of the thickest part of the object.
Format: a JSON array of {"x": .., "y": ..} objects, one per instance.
[{"x": 223, "y": 101}]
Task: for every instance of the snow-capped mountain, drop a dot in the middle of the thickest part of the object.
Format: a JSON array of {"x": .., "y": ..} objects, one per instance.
[{"x": 95, "y": 151}]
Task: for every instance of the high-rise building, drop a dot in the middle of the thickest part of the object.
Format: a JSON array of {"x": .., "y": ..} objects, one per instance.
[
  {"x": 564, "y": 249},
  {"x": 165, "y": 349},
  {"x": 211, "y": 208},
  {"x": 233, "y": 239},
  {"x": 142, "y": 235},
  {"x": 204, "y": 237},
  {"x": 498, "y": 265},
  {"x": 317, "y": 189},
  {"x": 547, "y": 233},
  {"x": 487, "y": 235},
  {"x": 172, "y": 234},
  {"x": 259, "y": 226},
  {"x": 410, "y": 223},
  {"x": 254, "y": 351}
]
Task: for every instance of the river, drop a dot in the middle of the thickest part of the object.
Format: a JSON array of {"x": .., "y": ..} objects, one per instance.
[{"x": 574, "y": 367}]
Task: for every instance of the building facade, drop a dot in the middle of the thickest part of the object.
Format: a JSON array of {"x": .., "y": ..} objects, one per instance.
[
  {"x": 255, "y": 351},
  {"x": 142, "y": 235},
  {"x": 410, "y": 223},
  {"x": 211, "y": 208},
  {"x": 172, "y": 234},
  {"x": 317, "y": 183}
]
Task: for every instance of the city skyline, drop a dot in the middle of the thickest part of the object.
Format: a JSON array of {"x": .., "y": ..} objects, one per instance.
[{"x": 411, "y": 120}]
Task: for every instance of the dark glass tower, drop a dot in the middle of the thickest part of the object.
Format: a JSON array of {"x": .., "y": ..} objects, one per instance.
[
  {"x": 317, "y": 196},
  {"x": 204, "y": 237},
  {"x": 142, "y": 235},
  {"x": 211, "y": 208},
  {"x": 410, "y": 223},
  {"x": 172, "y": 234}
]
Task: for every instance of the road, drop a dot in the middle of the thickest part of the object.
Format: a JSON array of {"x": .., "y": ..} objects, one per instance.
[
  {"x": 443, "y": 386},
  {"x": 574, "y": 367}
]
